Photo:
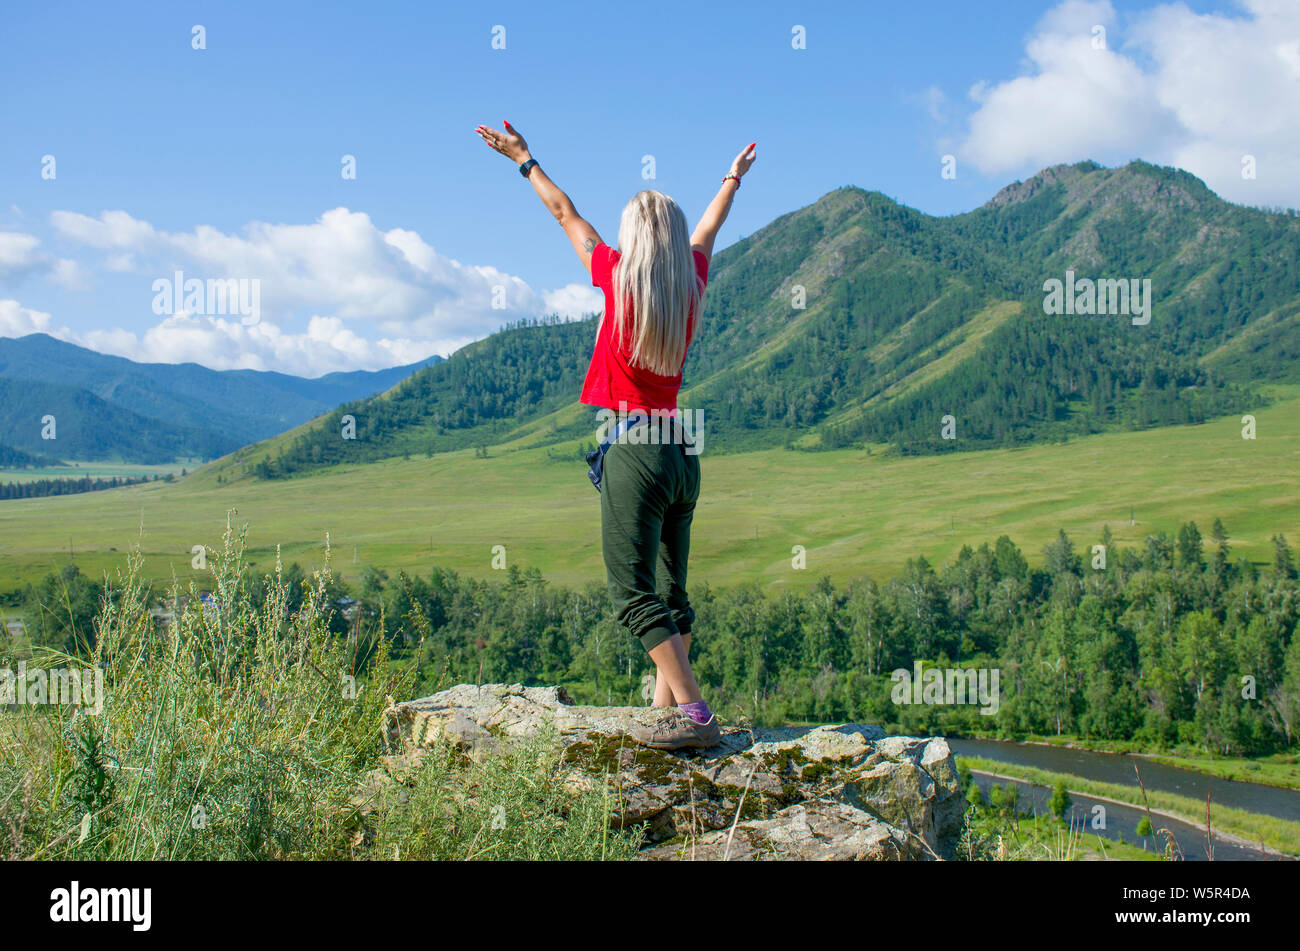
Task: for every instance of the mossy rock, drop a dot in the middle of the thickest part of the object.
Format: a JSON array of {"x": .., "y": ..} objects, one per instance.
[{"x": 885, "y": 795}]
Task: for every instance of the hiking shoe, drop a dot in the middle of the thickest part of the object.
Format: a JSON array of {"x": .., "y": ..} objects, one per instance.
[{"x": 677, "y": 731}]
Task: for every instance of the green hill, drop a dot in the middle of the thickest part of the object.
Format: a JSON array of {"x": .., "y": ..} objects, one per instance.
[
  {"x": 906, "y": 318},
  {"x": 11, "y": 458}
]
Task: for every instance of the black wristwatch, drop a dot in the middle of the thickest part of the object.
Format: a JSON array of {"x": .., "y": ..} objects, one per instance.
[{"x": 527, "y": 167}]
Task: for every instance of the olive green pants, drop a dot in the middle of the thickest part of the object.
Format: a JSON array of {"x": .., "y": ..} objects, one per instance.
[{"x": 647, "y": 501}]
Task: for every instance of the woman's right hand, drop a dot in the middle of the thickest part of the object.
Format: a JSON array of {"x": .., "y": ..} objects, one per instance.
[{"x": 744, "y": 160}]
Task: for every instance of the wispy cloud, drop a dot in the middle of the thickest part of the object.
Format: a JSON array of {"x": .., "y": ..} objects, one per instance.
[{"x": 21, "y": 258}]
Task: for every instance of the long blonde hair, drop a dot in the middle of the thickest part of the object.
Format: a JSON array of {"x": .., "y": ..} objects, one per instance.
[{"x": 655, "y": 277}]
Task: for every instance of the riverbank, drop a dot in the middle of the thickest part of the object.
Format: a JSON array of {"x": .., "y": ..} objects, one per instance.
[
  {"x": 1275, "y": 836},
  {"x": 1280, "y": 770},
  {"x": 1044, "y": 838}
]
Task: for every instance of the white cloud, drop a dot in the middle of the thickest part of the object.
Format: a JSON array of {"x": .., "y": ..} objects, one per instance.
[
  {"x": 70, "y": 274},
  {"x": 1172, "y": 86},
  {"x": 21, "y": 257},
  {"x": 113, "y": 229},
  {"x": 375, "y": 298},
  {"x": 573, "y": 301},
  {"x": 121, "y": 263},
  {"x": 18, "y": 252},
  {"x": 227, "y": 344},
  {"x": 19, "y": 321}
]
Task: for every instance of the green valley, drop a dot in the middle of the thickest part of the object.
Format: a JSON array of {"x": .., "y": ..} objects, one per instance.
[{"x": 855, "y": 511}]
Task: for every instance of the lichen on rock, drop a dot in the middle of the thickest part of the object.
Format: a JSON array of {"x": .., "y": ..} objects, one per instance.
[{"x": 845, "y": 791}]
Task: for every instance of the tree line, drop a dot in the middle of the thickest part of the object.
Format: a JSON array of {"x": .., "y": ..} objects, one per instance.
[
  {"x": 40, "y": 488},
  {"x": 1171, "y": 642}
]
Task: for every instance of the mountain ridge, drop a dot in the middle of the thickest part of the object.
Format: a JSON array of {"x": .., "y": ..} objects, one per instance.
[{"x": 908, "y": 318}]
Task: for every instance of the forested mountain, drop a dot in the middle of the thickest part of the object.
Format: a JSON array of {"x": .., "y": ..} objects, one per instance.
[
  {"x": 87, "y": 427},
  {"x": 908, "y": 318},
  {"x": 110, "y": 407}
]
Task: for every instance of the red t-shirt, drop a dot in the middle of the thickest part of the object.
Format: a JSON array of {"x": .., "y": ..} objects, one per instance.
[{"x": 611, "y": 378}]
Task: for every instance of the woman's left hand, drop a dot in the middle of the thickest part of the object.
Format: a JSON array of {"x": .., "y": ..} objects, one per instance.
[{"x": 509, "y": 143}]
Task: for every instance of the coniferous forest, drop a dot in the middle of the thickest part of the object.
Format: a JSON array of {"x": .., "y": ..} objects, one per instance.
[{"x": 1174, "y": 643}]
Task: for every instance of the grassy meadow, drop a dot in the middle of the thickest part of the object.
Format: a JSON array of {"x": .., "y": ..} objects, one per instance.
[
  {"x": 96, "y": 470},
  {"x": 853, "y": 511}
]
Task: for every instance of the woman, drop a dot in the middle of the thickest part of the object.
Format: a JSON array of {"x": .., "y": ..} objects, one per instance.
[{"x": 648, "y": 488}]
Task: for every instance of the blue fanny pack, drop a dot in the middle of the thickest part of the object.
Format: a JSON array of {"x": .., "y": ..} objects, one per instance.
[{"x": 596, "y": 457}]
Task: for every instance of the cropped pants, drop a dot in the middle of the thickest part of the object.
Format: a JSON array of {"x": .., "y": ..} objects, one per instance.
[{"x": 647, "y": 502}]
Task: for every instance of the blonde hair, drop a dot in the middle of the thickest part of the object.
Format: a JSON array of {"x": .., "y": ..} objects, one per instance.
[{"x": 655, "y": 277}]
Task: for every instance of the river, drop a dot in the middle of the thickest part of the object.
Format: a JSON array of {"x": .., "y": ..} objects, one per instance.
[{"x": 1122, "y": 820}]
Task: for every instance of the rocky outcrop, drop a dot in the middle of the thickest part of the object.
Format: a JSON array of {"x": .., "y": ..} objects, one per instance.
[{"x": 825, "y": 792}]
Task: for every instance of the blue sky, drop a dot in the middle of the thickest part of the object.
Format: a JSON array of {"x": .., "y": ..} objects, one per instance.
[{"x": 225, "y": 162}]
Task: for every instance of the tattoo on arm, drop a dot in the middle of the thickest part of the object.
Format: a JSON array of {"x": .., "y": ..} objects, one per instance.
[{"x": 589, "y": 245}]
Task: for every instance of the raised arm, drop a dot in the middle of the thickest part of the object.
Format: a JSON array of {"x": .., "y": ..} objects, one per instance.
[
  {"x": 706, "y": 232},
  {"x": 581, "y": 234}
]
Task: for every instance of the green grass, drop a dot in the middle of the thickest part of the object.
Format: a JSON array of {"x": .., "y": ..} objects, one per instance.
[
  {"x": 855, "y": 512},
  {"x": 513, "y": 805},
  {"x": 990, "y": 837},
  {"x": 96, "y": 470},
  {"x": 1275, "y": 833},
  {"x": 1281, "y": 769},
  {"x": 250, "y": 733}
]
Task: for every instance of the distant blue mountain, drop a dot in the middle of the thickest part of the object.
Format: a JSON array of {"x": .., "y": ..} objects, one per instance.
[{"x": 109, "y": 407}]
